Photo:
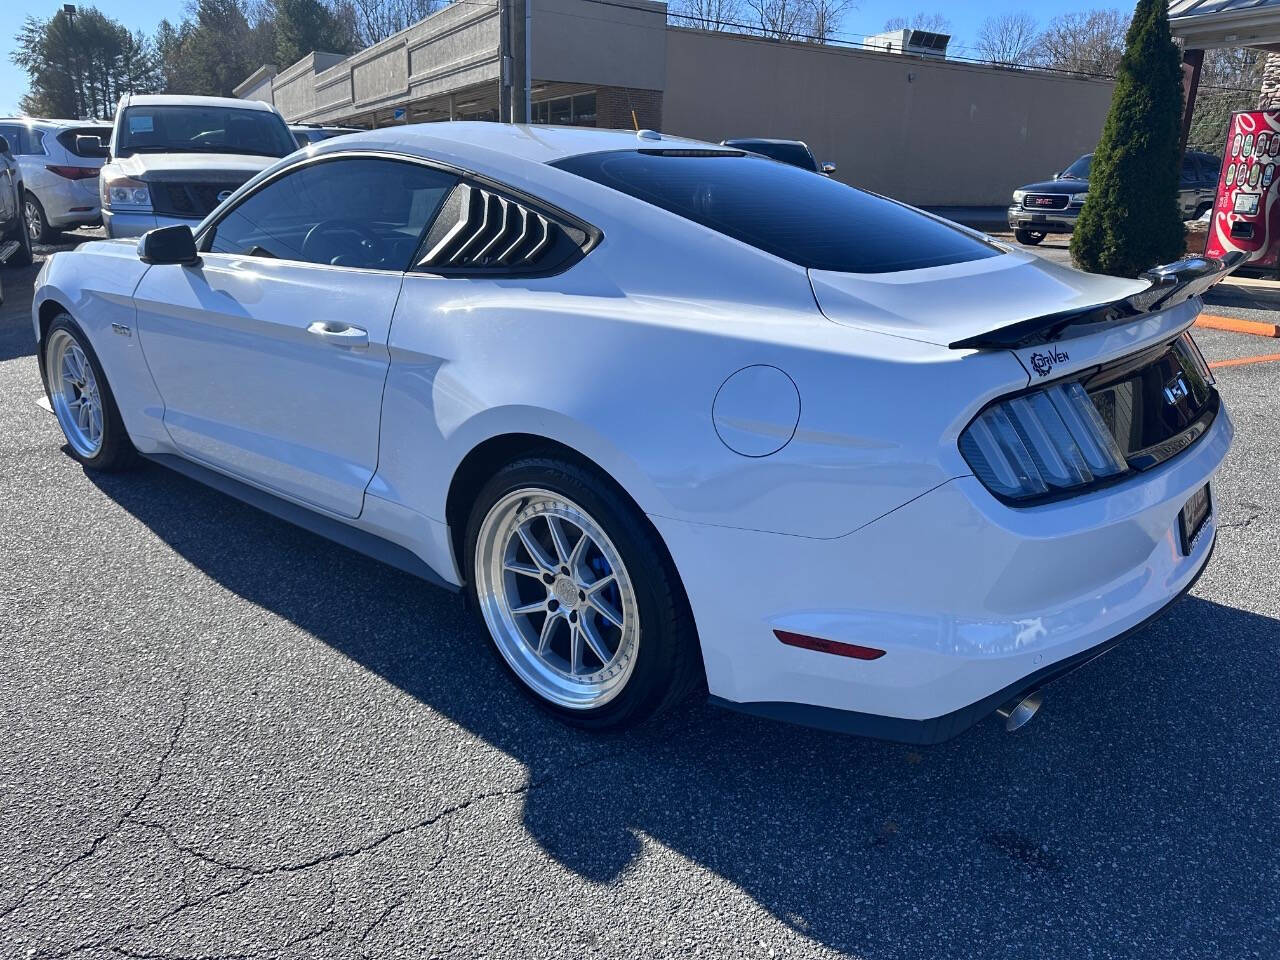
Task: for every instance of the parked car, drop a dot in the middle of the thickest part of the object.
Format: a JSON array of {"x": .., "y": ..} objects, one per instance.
[
  {"x": 15, "y": 243},
  {"x": 1053, "y": 206},
  {"x": 173, "y": 159},
  {"x": 794, "y": 152},
  {"x": 309, "y": 133},
  {"x": 666, "y": 418},
  {"x": 60, "y": 160}
]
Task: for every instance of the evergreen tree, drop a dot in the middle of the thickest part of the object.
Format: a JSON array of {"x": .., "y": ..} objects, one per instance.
[
  {"x": 302, "y": 26},
  {"x": 1131, "y": 220},
  {"x": 80, "y": 66}
]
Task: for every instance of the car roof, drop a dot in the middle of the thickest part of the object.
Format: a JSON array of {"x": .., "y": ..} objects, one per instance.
[
  {"x": 533, "y": 142},
  {"x": 31, "y": 121},
  {"x": 174, "y": 100}
]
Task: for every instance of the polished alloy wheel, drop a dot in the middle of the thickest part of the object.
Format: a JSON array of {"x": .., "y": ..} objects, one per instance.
[
  {"x": 31, "y": 213},
  {"x": 557, "y": 598},
  {"x": 73, "y": 391}
]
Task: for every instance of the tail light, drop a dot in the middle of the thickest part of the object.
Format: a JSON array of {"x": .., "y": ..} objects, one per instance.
[
  {"x": 1040, "y": 443},
  {"x": 72, "y": 173}
]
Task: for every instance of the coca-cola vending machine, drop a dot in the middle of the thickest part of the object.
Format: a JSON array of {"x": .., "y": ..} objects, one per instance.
[{"x": 1246, "y": 215}]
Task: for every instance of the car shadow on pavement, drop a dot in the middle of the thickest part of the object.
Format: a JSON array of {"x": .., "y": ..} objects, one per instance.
[
  {"x": 16, "y": 336},
  {"x": 1063, "y": 830}
]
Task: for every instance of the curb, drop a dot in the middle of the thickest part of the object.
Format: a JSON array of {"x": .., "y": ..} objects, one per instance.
[{"x": 1253, "y": 327}]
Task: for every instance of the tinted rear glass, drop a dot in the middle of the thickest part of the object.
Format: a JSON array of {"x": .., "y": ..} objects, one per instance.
[
  {"x": 68, "y": 139},
  {"x": 795, "y": 154},
  {"x": 813, "y": 221}
]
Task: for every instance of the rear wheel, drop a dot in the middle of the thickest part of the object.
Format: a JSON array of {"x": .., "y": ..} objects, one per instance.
[
  {"x": 82, "y": 400},
  {"x": 1029, "y": 237},
  {"x": 38, "y": 229},
  {"x": 578, "y": 596}
]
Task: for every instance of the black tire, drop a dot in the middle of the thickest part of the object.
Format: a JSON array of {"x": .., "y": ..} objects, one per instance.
[
  {"x": 668, "y": 665},
  {"x": 23, "y": 256},
  {"x": 38, "y": 229},
  {"x": 1028, "y": 237},
  {"x": 1200, "y": 210},
  {"x": 116, "y": 451}
]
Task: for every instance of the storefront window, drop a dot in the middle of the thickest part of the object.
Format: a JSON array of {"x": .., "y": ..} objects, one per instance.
[{"x": 576, "y": 111}]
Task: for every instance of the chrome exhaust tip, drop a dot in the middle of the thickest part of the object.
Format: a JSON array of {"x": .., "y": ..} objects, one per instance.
[{"x": 1017, "y": 713}]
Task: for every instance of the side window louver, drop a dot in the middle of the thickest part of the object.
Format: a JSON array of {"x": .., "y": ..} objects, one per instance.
[{"x": 479, "y": 231}]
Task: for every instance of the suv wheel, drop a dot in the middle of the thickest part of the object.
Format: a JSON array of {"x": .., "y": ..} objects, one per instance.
[
  {"x": 38, "y": 229},
  {"x": 1029, "y": 237}
]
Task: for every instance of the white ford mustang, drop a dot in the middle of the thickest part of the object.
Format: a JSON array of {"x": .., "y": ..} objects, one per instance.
[{"x": 671, "y": 413}]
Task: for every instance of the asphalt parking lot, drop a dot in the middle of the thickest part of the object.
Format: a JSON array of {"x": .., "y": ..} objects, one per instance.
[{"x": 225, "y": 737}]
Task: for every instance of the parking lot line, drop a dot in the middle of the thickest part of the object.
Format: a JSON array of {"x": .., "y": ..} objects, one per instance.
[
  {"x": 1254, "y": 327},
  {"x": 1241, "y": 361}
]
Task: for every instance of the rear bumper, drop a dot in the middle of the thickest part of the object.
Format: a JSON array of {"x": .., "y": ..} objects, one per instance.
[
  {"x": 1048, "y": 221},
  {"x": 972, "y": 600},
  {"x": 120, "y": 224}
]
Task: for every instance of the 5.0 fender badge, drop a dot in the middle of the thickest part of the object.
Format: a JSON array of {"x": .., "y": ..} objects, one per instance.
[{"x": 1043, "y": 363}]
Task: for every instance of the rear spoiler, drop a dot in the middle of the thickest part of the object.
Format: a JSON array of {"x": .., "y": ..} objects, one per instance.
[{"x": 1171, "y": 284}]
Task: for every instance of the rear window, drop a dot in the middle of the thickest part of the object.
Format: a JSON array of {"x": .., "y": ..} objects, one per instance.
[
  {"x": 68, "y": 140},
  {"x": 815, "y": 222}
]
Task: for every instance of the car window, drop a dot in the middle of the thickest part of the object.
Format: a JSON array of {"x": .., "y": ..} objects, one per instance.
[
  {"x": 351, "y": 212},
  {"x": 1190, "y": 174},
  {"x": 23, "y": 140},
  {"x": 1210, "y": 167},
  {"x": 1080, "y": 169},
  {"x": 68, "y": 140},
  {"x": 196, "y": 128},
  {"x": 816, "y": 222}
]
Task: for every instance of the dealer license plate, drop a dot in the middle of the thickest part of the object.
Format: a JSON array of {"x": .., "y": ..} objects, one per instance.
[{"x": 1192, "y": 518}]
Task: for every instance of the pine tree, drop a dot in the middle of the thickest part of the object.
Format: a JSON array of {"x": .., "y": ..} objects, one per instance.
[{"x": 1131, "y": 220}]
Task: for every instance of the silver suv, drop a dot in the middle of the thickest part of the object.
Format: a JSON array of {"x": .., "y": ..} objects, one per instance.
[{"x": 60, "y": 160}]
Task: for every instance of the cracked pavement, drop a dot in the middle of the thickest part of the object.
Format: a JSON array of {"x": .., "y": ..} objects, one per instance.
[{"x": 227, "y": 738}]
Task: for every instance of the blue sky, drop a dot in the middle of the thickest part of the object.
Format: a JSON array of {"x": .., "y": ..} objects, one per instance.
[{"x": 868, "y": 17}]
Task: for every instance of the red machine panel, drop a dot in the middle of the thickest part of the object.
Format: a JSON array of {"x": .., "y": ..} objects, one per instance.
[{"x": 1246, "y": 215}]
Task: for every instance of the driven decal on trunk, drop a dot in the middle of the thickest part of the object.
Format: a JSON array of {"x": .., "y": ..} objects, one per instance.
[{"x": 1044, "y": 362}]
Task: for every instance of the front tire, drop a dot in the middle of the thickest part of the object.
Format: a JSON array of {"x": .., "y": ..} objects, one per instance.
[
  {"x": 580, "y": 600},
  {"x": 1028, "y": 237},
  {"x": 23, "y": 256},
  {"x": 82, "y": 400}
]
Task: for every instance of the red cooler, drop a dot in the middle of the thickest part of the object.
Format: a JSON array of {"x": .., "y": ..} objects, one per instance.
[{"x": 1246, "y": 216}]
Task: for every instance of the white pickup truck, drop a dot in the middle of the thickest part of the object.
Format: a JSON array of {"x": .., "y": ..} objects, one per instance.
[{"x": 173, "y": 159}]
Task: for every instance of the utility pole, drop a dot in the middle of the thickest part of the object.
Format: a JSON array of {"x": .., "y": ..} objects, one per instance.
[
  {"x": 513, "y": 61},
  {"x": 70, "y": 10}
]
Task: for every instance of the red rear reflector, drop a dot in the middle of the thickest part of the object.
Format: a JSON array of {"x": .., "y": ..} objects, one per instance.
[
  {"x": 828, "y": 646},
  {"x": 72, "y": 173}
]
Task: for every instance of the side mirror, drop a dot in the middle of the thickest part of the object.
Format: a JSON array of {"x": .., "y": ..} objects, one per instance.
[
  {"x": 90, "y": 146},
  {"x": 174, "y": 244},
  {"x": 828, "y": 168},
  {"x": 4, "y": 145}
]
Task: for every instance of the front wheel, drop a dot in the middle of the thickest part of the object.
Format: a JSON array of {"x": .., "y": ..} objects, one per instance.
[
  {"x": 1028, "y": 237},
  {"x": 82, "y": 400},
  {"x": 582, "y": 604},
  {"x": 23, "y": 256}
]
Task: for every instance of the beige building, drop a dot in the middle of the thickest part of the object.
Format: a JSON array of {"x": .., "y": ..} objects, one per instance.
[{"x": 928, "y": 131}]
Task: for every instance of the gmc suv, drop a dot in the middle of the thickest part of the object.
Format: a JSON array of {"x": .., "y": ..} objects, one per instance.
[{"x": 1052, "y": 206}]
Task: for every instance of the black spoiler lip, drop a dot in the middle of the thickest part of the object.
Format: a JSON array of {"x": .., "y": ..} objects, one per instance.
[{"x": 1171, "y": 284}]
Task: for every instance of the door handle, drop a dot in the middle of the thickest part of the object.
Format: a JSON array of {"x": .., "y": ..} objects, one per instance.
[{"x": 340, "y": 334}]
